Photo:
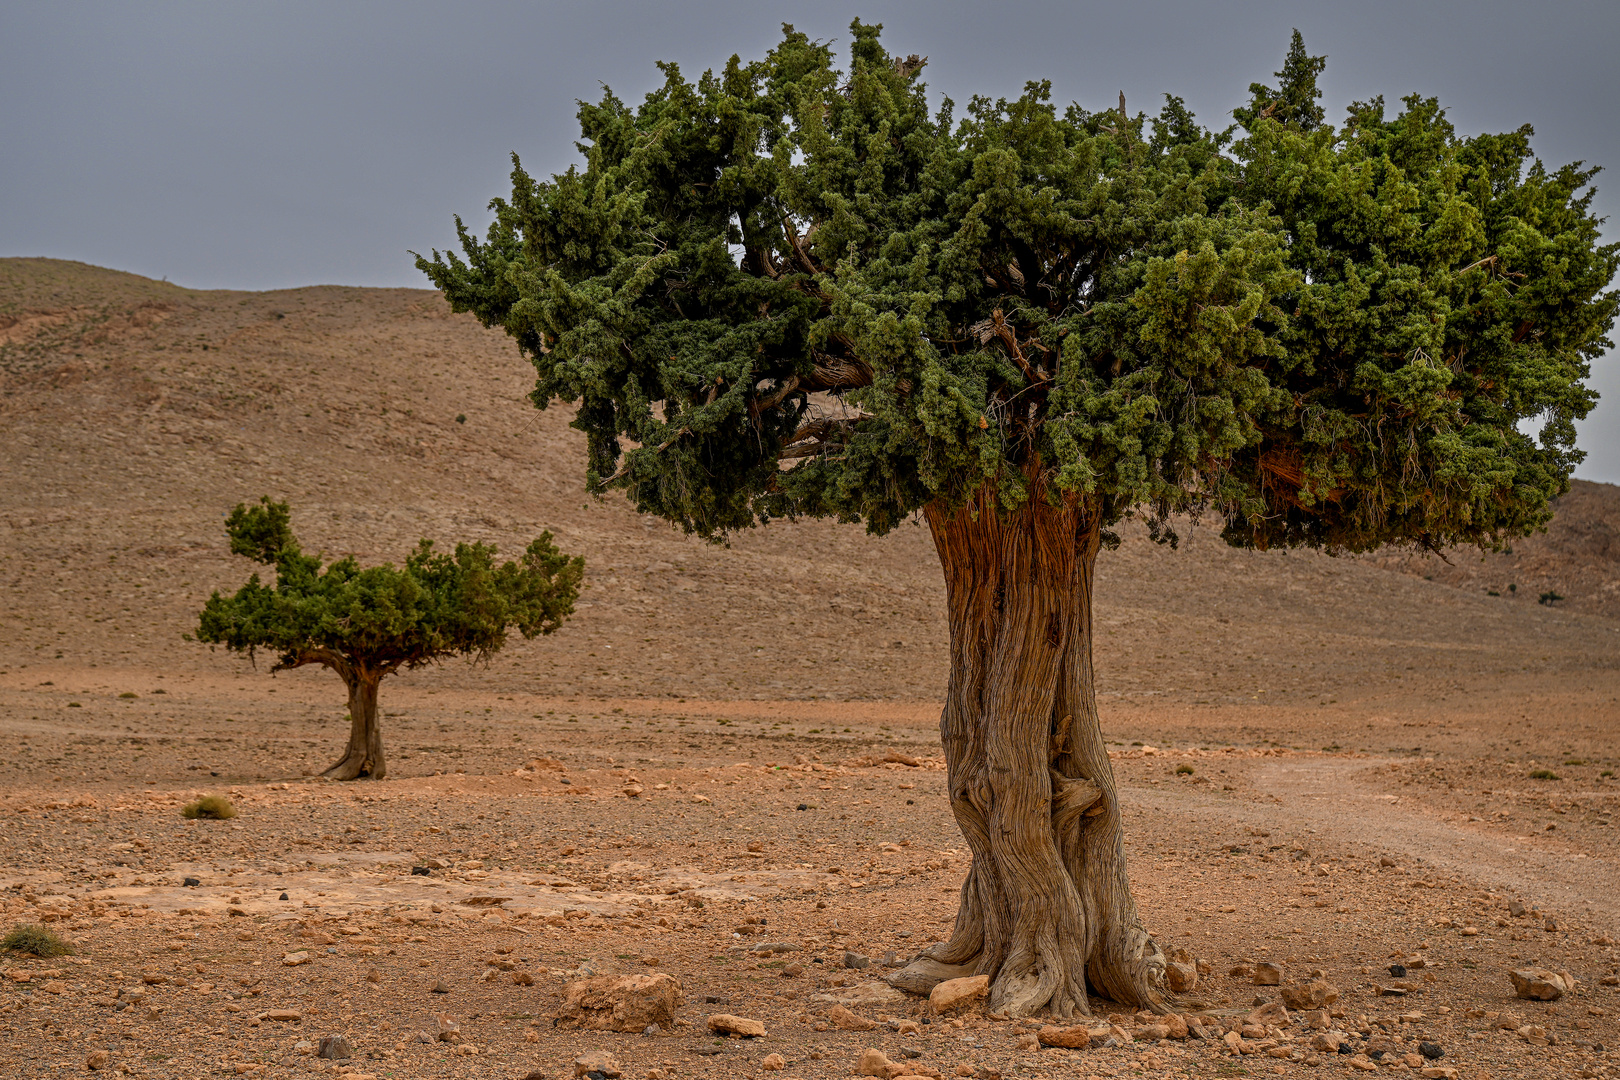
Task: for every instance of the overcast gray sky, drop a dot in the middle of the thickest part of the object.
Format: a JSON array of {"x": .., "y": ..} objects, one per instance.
[{"x": 258, "y": 146}]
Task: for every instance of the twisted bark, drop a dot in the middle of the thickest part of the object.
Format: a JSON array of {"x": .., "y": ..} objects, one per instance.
[
  {"x": 364, "y": 756},
  {"x": 1046, "y": 910}
]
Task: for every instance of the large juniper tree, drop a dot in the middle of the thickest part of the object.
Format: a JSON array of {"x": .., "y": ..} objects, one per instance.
[
  {"x": 785, "y": 291},
  {"x": 365, "y": 623}
]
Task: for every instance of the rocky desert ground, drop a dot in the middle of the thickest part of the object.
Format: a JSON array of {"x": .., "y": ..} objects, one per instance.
[{"x": 1385, "y": 783}]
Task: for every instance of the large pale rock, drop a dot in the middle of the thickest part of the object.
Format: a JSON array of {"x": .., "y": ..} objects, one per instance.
[
  {"x": 1072, "y": 1038},
  {"x": 1180, "y": 978},
  {"x": 598, "y": 1061},
  {"x": 922, "y": 975},
  {"x": 740, "y": 1026},
  {"x": 620, "y": 1002},
  {"x": 1538, "y": 984},
  {"x": 957, "y": 993},
  {"x": 1305, "y": 996},
  {"x": 1268, "y": 974}
]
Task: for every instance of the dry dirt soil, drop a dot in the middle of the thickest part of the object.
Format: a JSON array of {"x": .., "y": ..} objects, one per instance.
[{"x": 1337, "y": 765}]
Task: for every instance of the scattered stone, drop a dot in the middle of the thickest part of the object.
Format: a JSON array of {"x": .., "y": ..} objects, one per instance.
[
  {"x": 445, "y": 1029},
  {"x": 844, "y": 1020},
  {"x": 1076, "y": 1037},
  {"x": 1534, "y": 1034},
  {"x": 1026, "y": 1042},
  {"x": 1315, "y": 994},
  {"x": 295, "y": 959},
  {"x": 191, "y": 882},
  {"x": 1432, "y": 1051},
  {"x": 628, "y": 1003},
  {"x": 862, "y": 995},
  {"x": 439, "y": 988},
  {"x": 1268, "y": 974},
  {"x": 1516, "y": 909},
  {"x": 873, "y": 1062},
  {"x": 773, "y": 1063},
  {"x": 1438, "y": 1072},
  {"x": 739, "y": 1027},
  {"x": 1551, "y": 926},
  {"x": 335, "y": 1048},
  {"x": 856, "y": 961},
  {"x": 282, "y": 1016},
  {"x": 598, "y": 1061},
  {"x": 1181, "y": 978},
  {"x": 373, "y": 976},
  {"x": 1241, "y": 971},
  {"x": 1538, "y": 984},
  {"x": 522, "y": 978},
  {"x": 1272, "y": 1012},
  {"x": 957, "y": 993},
  {"x": 1397, "y": 971},
  {"x": 97, "y": 1060}
]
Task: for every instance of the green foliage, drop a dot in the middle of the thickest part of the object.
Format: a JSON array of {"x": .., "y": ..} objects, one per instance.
[
  {"x": 786, "y": 290},
  {"x": 1184, "y": 770},
  {"x": 384, "y": 618},
  {"x": 212, "y": 807},
  {"x": 1551, "y": 597},
  {"x": 35, "y": 940},
  {"x": 1543, "y": 774}
]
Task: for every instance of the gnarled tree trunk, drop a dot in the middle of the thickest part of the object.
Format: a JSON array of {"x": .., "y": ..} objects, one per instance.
[
  {"x": 364, "y": 757},
  {"x": 1046, "y": 910}
]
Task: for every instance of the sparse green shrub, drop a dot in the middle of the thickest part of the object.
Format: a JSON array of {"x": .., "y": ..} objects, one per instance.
[
  {"x": 215, "y": 807},
  {"x": 1184, "y": 770},
  {"x": 128, "y": 694},
  {"x": 1575, "y": 761},
  {"x": 35, "y": 940},
  {"x": 1544, "y": 774},
  {"x": 1549, "y": 597},
  {"x": 1606, "y": 773}
]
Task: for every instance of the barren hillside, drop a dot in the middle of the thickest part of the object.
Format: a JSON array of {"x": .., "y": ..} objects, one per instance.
[{"x": 137, "y": 413}]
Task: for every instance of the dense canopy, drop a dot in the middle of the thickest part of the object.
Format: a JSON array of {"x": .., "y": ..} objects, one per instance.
[
  {"x": 384, "y": 617},
  {"x": 786, "y": 290}
]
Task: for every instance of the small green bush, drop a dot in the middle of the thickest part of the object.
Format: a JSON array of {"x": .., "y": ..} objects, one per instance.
[
  {"x": 209, "y": 806},
  {"x": 1544, "y": 774},
  {"x": 128, "y": 694},
  {"x": 1184, "y": 770},
  {"x": 36, "y": 940},
  {"x": 1549, "y": 598},
  {"x": 1575, "y": 761}
]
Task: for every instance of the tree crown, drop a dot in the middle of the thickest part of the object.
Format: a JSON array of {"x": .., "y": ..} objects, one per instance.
[
  {"x": 384, "y": 617},
  {"x": 787, "y": 290}
]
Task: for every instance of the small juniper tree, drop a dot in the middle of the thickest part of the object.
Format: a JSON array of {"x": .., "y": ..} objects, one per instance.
[
  {"x": 784, "y": 290},
  {"x": 367, "y": 623}
]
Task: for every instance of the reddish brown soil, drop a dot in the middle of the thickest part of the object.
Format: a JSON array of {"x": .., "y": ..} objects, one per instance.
[{"x": 1336, "y": 714}]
